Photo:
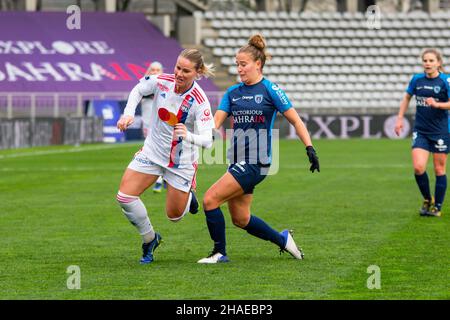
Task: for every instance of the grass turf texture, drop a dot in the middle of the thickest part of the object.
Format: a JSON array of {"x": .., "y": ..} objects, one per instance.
[{"x": 59, "y": 209}]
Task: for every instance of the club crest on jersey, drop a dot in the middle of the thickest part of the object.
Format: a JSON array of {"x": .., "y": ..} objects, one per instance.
[
  {"x": 437, "y": 89},
  {"x": 258, "y": 98},
  {"x": 187, "y": 103}
]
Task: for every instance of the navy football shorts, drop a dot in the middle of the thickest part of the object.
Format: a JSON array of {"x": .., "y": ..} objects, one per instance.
[
  {"x": 247, "y": 175},
  {"x": 432, "y": 143}
]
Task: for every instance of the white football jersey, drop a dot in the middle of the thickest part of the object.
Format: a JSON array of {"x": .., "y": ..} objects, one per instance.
[{"x": 169, "y": 108}]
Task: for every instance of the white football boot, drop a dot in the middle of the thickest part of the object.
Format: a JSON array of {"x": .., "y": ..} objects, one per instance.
[
  {"x": 290, "y": 246},
  {"x": 214, "y": 258}
]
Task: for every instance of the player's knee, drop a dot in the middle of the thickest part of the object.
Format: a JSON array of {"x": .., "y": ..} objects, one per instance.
[
  {"x": 439, "y": 170},
  {"x": 124, "y": 200},
  {"x": 209, "y": 202},
  {"x": 240, "y": 222},
  {"x": 174, "y": 215},
  {"x": 419, "y": 169}
]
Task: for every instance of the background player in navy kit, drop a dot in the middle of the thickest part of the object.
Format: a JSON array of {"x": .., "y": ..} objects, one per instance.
[
  {"x": 430, "y": 133},
  {"x": 253, "y": 104}
]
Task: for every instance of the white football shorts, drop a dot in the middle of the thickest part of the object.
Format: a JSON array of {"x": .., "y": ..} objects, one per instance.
[{"x": 181, "y": 179}]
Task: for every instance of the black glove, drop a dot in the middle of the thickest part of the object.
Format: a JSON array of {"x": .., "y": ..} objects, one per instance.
[{"x": 313, "y": 159}]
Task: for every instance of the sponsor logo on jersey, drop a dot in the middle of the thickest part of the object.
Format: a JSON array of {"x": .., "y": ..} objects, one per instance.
[
  {"x": 247, "y": 97},
  {"x": 204, "y": 119},
  {"x": 163, "y": 95},
  {"x": 206, "y": 115},
  {"x": 235, "y": 99},
  {"x": 282, "y": 97},
  {"x": 163, "y": 87},
  {"x": 420, "y": 101},
  {"x": 258, "y": 98},
  {"x": 275, "y": 87},
  {"x": 248, "y": 116}
]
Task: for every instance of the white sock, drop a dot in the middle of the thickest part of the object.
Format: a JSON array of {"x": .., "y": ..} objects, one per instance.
[
  {"x": 159, "y": 180},
  {"x": 134, "y": 209}
]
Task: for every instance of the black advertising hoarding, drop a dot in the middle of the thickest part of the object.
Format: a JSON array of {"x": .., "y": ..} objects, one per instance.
[{"x": 345, "y": 126}]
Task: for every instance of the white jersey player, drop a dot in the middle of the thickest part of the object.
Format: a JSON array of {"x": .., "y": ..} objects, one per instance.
[
  {"x": 170, "y": 110},
  {"x": 181, "y": 120}
]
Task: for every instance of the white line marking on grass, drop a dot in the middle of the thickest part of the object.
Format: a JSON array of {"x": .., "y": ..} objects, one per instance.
[{"x": 72, "y": 150}]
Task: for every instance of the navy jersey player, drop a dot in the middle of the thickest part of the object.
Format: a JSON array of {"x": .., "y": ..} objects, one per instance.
[
  {"x": 431, "y": 130},
  {"x": 253, "y": 103}
]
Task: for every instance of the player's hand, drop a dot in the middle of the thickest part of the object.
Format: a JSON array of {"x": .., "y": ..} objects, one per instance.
[
  {"x": 313, "y": 159},
  {"x": 398, "y": 126},
  {"x": 431, "y": 102},
  {"x": 124, "y": 122},
  {"x": 180, "y": 131}
]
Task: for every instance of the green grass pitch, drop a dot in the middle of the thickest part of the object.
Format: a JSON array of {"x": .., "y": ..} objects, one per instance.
[{"x": 58, "y": 209}]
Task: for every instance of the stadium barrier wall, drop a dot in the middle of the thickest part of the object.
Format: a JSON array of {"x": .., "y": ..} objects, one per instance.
[
  {"x": 344, "y": 126},
  {"x": 26, "y": 132}
]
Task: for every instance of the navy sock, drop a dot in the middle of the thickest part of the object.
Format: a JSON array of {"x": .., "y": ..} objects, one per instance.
[
  {"x": 424, "y": 185},
  {"x": 258, "y": 228},
  {"x": 216, "y": 227},
  {"x": 439, "y": 193}
]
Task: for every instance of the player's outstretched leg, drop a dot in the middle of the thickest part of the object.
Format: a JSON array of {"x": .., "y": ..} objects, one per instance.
[{"x": 259, "y": 228}]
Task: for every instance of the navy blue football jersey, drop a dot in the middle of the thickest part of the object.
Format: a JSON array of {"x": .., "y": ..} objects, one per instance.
[
  {"x": 254, "y": 109},
  {"x": 430, "y": 120}
]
